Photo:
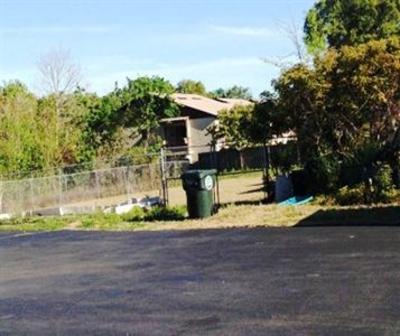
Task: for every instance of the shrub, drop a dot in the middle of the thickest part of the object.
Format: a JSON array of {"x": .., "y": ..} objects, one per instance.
[
  {"x": 378, "y": 189},
  {"x": 137, "y": 214},
  {"x": 159, "y": 213},
  {"x": 323, "y": 174},
  {"x": 351, "y": 195},
  {"x": 382, "y": 184}
]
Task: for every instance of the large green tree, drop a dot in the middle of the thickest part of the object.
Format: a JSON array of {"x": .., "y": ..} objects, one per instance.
[
  {"x": 26, "y": 141},
  {"x": 346, "y": 103},
  {"x": 235, "y": 91},
  {"x": 334, "y": 23},
  {"x": 191, "y": 86},
  {"x": 145, "y": 101},
  {"x": 233, "y": 126}
]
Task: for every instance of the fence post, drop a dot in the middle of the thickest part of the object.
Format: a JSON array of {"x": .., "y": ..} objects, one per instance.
[
  {"x": 163, "y": 177},
  {"x": 1, "y": 196},
  {"x": 60, "y": 188},
  {"x": 98, "y": 192},
  {"x": 216, "y": 165},
  {"x": 128, "y": 187},
  {"x": 31, "y": 193},
  {"x": 266, "y": 170}
]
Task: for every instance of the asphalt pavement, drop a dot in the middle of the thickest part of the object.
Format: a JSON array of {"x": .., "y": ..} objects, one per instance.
[{"x": 298, "y": 281}]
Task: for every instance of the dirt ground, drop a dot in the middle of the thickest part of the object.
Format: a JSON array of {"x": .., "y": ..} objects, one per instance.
[
  {"x": 233, "y": 188},
  {"x": 242, "y": 188}
]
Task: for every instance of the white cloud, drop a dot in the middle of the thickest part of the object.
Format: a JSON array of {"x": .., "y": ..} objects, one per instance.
[
  {"x": 244, "y": 31},
  {"x": 56, "y": 29}
]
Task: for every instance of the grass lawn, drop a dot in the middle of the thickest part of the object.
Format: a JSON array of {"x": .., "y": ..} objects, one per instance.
[{"x": 228, "y": 217}]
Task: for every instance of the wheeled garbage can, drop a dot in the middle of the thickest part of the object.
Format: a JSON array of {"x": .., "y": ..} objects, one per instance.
[{"x": 199, "y": 186}]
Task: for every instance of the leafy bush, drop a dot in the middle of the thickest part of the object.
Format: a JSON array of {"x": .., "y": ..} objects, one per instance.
[
  {"x": 137, "y": 214},
  {"x": 284, "y": 158},
  {"x": 323, "y": 174},
  {"x": 351, "y": 195},
  {"x": 382, "y": 182},
  {"x": 378, "y": 189},
  {"x": 158, "y": 213},
  {"x": 166, "y": 213}
]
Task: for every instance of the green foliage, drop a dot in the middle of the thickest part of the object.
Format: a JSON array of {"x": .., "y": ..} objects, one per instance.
[
  {"x": 266, "y": 121},
  {"x": 137, "y": 214},
  {"x": 139, "y": 155},
  {"x": 158, "y": 213},
  {"x": 382, "y": 184},
  {"x": 234, "y": 125},
  {"x": 346, "y": 102},
  {"x": 301, "y": 108},
  {"x": 99, "y": 220},
  {"x": 322, "y": 174},
  {"x": 238, "y": 92},
  {"x": 34, "y": 224},
  {"x": 145, "y": 101},
  {"x": 351, "y": 195},
  {"x": 378, "y": 189},
  {"x": 191, "y": 86},
  {"x": 101, "y": 121},
  {"x": 65, "y": 129},
  {"x": 335, "y": 23},
  {"x": 27, "y": 131},
  {"x": 284, "y": 158},
  {"x": 128, "y": 116},
  {"x": 40, "y": 133},
  {"x": 246, "y": 125}
]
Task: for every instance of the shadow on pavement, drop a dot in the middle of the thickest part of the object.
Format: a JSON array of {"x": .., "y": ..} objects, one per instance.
[{"x": 368, "y": 216}]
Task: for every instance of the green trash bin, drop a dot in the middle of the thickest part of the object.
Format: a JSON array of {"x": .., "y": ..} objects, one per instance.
[{"x": 199, "y": 186}]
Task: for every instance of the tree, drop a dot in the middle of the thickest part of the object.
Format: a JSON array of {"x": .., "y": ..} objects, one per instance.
[
  {"x": 233, "y": 125},
  {"x": 365, "y": 91},
  {"x": 300, "y": 53},
  {"x": 59, "y": 78},
  {"x": 345, "y": 104},
  {"x": 58, "y": 73},
  {"x": 335, "y": 23},
  {"x": 145, "y": 101},
  {"x": 191, "y": 86},
  {"x": 25, "y": 144},
  {"x": 102, "y": 131},
  {"x": 235, "y": 91},
  {"x": 246, "y": 125}
]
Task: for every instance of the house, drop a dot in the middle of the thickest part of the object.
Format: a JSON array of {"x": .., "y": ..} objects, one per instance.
[{"x": 189, "y": 133}]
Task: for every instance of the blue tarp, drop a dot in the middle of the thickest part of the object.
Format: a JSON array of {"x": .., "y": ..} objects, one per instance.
[{"x": 297, "y": 200}]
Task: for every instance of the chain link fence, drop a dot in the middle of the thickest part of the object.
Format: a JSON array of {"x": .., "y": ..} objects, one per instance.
[
  {"x": 242, "y": 174},
  {"x": 100, "y": 187}
]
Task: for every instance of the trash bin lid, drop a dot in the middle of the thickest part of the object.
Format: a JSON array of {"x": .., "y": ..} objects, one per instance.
[{"x": 198, "y": 173}]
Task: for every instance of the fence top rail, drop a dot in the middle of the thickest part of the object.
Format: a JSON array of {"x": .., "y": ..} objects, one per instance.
[
  {"x": 56, "y": 176},
  {"x": 54, "y": 171}
]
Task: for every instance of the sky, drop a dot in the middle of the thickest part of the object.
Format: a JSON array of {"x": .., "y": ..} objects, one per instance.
[{"x": 220, "y": 42}]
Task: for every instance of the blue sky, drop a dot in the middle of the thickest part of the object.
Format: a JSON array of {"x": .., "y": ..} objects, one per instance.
[{"x": 219, "y": 42}]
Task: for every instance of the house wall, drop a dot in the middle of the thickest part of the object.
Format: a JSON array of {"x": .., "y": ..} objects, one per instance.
[{"x": 200, "y": 138}]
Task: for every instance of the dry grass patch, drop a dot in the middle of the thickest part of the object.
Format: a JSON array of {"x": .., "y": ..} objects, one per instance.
[
  {"x": 243, "y": 216},
  {"x": 231, "y": 216}
]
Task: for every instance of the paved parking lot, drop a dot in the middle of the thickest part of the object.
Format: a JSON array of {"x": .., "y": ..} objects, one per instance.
[{"x": 301, "y": 281}]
